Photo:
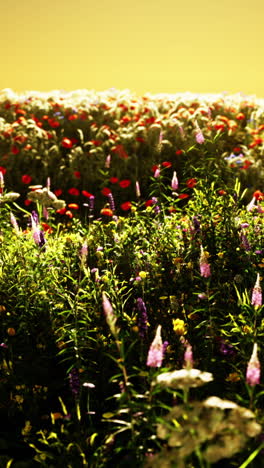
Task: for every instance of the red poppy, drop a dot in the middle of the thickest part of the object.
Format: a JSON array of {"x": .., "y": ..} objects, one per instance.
[
  {"x": 172, "y": 209},
  {"x": 191, "y": 182},
  {"x": 246, "y": 164},
  {"x": 154, "y": 168},
  {"x": 166, "y": 164},
  {"x": 124, "y": 183},
  {"x": 27, "y": 147},
  {"x": 105, "y": 191},
  {"x": 27, "y": 202},
  {"x": 140, "y": 139},
  {"x": 47, "y": 228},
  {"x": 66, "y": 143},
  {"x": 96, "y": 142},
  {"x": 73, "y": 117},
  {"x": 240, "y": 116},
  {"x": 73, "y": 206},
  {"x": 106, "y": 212},
  {"x": 120, "y": 151},
  {"x": 86, "y": 194},
  {"x": 258, "y": 195},
  {"x": 77, "y": 174},
  {"x": 114, "y": 180},
  {"x": 74, "y": 191},
  {"x": 182, "y": 196},
  {"x": 26, "y": 179},
  {"x": 126, "y": 206},
  {"x": 3, "y": 170},
  {"x": 178, "y": 152},
  {"x": 14, "y": 149},
  {"x": 69, "y": 214},
  {"x": 222, "y": 192},
  {"x": 61, "y": 211},
  {"x": 237, "y": 150},
  {"x": 20, "y": 138},
  {"x": 149, "y": 203},
  {"x": 58, "y": 192},
  {"x": 53, "y": 123}
]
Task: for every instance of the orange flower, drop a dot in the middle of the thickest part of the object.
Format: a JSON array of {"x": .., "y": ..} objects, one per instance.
[
  {"x": 240, "y": 116},
  {"x": 73, "y": 206},
  {"x": 47, "y": 228},
  {"x": 11, "y": 331},
  {"x": 258, "y": 195},
  {"x": 106, "y": 212}
]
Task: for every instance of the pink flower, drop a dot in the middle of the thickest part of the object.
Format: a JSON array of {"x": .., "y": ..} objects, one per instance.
[
  {"x": 205, "y": 268},
  {"x": 199, "y": 137},
  {"x": 109, "y": 314},
  {"x": 188, "y": 357},
  {"x": 174, "y": 181},
  {"x": 157, "y": 173},
  {"x": 155, "y": 354},
  {"x": 253, "y": 368},
  {"x": 256, "y": 299},
  {"x": 138, "y": 189}
]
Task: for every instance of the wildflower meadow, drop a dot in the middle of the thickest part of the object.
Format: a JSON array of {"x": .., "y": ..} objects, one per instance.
[{"x": 131, "y": 278}]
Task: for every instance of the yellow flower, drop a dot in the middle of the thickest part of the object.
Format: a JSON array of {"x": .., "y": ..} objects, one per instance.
[
  {"x": 247, "y": 329},
  {"x": 233, "y": 377},
  {"x": 179, "y": 327},
  {"x": 143, "y": 274}
]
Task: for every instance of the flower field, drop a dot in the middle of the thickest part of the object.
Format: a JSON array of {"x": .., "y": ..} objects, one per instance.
[{"x": 131, "y": 276}]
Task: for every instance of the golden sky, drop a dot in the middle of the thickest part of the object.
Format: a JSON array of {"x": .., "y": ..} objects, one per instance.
[{"x": 156, "y": 46}]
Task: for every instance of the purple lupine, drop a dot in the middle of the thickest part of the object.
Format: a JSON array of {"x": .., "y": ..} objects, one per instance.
[
  {"x": 244, "y": 242},
  {"x": 253, "y": 368},
  {"x": 196, "y": 224},
  {"x": 91, "y": 203},
  {"x": 74, "y": 381},
  {"x": 226, "y": 348},
  {"x": 155, "y": 354},
  {"x": 14, "y": 223},
  {"x": 256, "y": 298},
  {"x": 205, "y": 268},
  {"x": 35, "y": 217},
  {"x": 142, "y": 318},
  {"x": 111, "y": 201}
]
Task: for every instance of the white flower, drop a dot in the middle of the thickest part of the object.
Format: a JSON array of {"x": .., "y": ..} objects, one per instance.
[{"x": 183, "y": 378}]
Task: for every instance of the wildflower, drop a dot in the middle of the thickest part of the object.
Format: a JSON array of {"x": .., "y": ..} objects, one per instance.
[
  {"x": 256, "y": 298},
  {"x": 205, "y": 269},
  {"x": 84, "y": 252},
  {"x": 108, "y": 161},
  {"x": 126, "y": 206},
  {"x": 113, "y": 180},
  {"x": 199, "y": 137},
  {"x": 26, "y": 179},
  {"x": 73, "y": 206},
  {"x": 111, "y": 201},
  {"x": 174, "y": 181},
  {"x": 251, "y": 204},
  {"x": 124, "y": 183},
  {"x": 253, "y": 368},
  {"x": 191, "y": 182},
  {"x": 105, "y": 191},
  {"x": 2, "y": 182},
  {"x": 183, "y": 378},
  {"x": 155, "y": 354},
  {"x": 143, "y": 274},
  {"x": 77, "y": 174},
  {"x": 91, "y": 203},
  {"x": 74, "y": 191},
  {"x": 109, "y": 314},
  {"x": 58, "y": 192},
  {"x": 188, "y": 357},
  {"x": 138, "y": 189},
  {"x": 14, "y": 223},
  {"x": 66, "y": 143},
  {"x": 244, "y": 241},
  {"x": 143, "y": 318},
  {"x": 196, "y": 224},
  {"x": 179, "y": 327},
  {"x": 74, "y": 381},
  {"x": 157, "y": 173},
  {"x": 106, "y": 212}
]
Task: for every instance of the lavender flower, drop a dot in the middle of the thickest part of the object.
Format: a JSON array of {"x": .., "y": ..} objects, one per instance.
[
  {"x": 253, "y": 368},
  {"x": 91, "y": 203},
  {"x": 14, "y": 223},
  {"x": 244, "y": 241},
  {"x": 196, "y": 224},
  {"x": 199, "y": 137},
  {"x": 157, "y": 173},
  {"x": 256, "y": 299},
  {"x": 143, "y": 318},
  {"x": 74, "y": 381},
  {"x": 155, "y": 354}
]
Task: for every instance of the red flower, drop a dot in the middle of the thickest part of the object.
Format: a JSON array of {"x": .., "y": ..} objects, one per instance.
[
  {"x": 66, "y": 143},
  {"x": 73, "y": 206},
  {"x": 191, "y": 183},
  {"x": 106, "y": 191},
  {"x": 154, "y": 168},
  {"x": 47, "y": 228},
  {"x": 3, "y": 170},
  {"x": 73, "y": 117},
  {"x": 27, "y": 202},
  {"x": 114, "y": 180},
  {"x": 77, "y": 174},
  {"x": 61, "y": 211},
  {"x": 86, "y": 194},
  {"x": 26, "y": 179},
  {"x": 14, "y": 149},
  {"x": 58, "y": 192},
  {"x": 149, "y": 203},
  {"x": 74, "y": 191},
  {"x": 237, "y": 150},
  {"x": 166, "y": 164},
  {"x": 120, "y": 151},
  {"x": 178, "y": 152},
  {"x": 106, "y": 212},
  {"x": 183, "y": 195},
  {"x": 246, "y": 164},
  {"x": 124, "y": 183},
  {"x": 258, "y": 195},
  {"x": 69, "y": 214},
  {"x": 240, "y": 116},
  {"x": 222, "y": 192},
  {"x": 53, "y": 123},
  {"x": 140, "y": 139},
  {"x": 126, "y": 206}
]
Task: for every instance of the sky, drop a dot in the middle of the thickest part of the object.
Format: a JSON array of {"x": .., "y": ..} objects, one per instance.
[{"x": 146, "y": 46}]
